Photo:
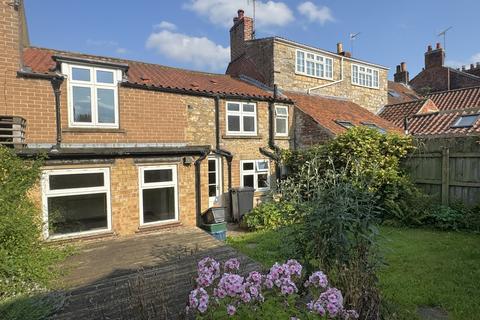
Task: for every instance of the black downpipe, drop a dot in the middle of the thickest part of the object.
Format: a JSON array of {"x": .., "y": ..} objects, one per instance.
[
  {"x": 271, "y": 140},
  {"x": 198, "y": 189},
  {"x": 56, "y": 84}
]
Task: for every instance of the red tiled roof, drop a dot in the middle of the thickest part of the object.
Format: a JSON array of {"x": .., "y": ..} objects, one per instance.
[
  {"x": 457, "y": 99},
  {"x": 326, "y": 111},
  {"x": 438, "y": 117},
  {"x": 399, "y": 93},
  {"x": 152, "y": 75},
  {"x": 440, "y": 123}
]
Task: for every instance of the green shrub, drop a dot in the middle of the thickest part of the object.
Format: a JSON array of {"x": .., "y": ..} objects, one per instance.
[
  {"x": 271, "y": 215},
  {"x": 338, "y": 230},
  {"x": 25, "y": 262}
]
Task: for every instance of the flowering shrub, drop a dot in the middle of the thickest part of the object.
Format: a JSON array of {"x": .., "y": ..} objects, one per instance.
[{"x": 276, "y": 294}]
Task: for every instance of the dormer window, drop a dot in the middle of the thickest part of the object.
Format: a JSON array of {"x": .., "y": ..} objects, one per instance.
[
  {"x": 465, "y": 121},
  {"x": 92, "y": 96},
  {"x": 365, "y": 76},
  {"x": 313, "y": 65}
]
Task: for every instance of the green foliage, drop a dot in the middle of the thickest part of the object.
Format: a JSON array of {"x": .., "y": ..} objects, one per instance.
[
  {"x": 339, "y": 235},
  {"x": 271, "y": 215},
  {"x": 454, "y": 218},
  {"x": 25, "y": 262}
]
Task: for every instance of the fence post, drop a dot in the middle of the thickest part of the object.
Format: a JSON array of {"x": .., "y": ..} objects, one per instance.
[{"x": 445, "y": 175}]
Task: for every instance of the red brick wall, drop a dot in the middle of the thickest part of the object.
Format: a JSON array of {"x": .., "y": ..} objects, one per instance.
[{"x": 307, "y": 131}]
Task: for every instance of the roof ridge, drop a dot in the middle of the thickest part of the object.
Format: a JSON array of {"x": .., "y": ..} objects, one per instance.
[
  {"x": 407, "y": 102},
  {"x": 454, "y": 90},
  {"x": 133, "y": 61}
]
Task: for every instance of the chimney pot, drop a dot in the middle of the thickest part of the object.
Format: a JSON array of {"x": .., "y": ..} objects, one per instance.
[
  {"x": 463, "y": 68},
  {"x": 339, "y": 47},
  {"x": 398, "y": 68},
  {"x": 240, "y": 13},
  {"x": 439, "y": 46},
  {"x": 478, "y": 64},
  {"x": 403, "y": 66},
  {"x": 472, "y": 66},
  {"x": 429, "y": 48}
]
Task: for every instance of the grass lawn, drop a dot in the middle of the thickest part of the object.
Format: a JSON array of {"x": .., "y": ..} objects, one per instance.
[{"x": 424, "y": 268}]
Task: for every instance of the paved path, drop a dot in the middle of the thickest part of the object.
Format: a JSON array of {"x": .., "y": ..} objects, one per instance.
[{"x": 141, "y": 277}]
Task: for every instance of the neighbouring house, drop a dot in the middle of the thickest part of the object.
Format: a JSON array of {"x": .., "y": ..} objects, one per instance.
[
  {"x": 448, "y": 113},
  {"x": 132, "y": 146},
  {"x": 399, "y": 89},
  {"x": 293, "y": 66},
  {"x": 435, "y": 76}
]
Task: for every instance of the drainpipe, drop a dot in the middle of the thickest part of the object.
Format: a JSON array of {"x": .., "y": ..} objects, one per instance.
[
  {"x": 271, "y": 139},
  {"x": 331, "y": 83},
  {"x": 56, "y": 84},
  {"x": 198, "y": 189}
]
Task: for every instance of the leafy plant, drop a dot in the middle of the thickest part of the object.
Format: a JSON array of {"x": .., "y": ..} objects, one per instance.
[
  {"x": 271, "y": 215},
  {"x": 25, "y": 262}
]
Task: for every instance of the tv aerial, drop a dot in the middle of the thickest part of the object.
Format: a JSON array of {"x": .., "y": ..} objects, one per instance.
[
  {"x": 444, "y": 34},
  {"x": 353, "y": 37}
]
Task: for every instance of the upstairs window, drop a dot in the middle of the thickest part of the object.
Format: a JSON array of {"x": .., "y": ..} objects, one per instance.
[
  {"x": 255, "y": 174},
  {"x": 92, "y": 96},
  {"x": 281, "y": 120},
  {"x": 365, "y": 76},
  {"x": 241, "y": 118},
  {"x": 314, "y": 65},
  {"x": 465, "y": 121}
]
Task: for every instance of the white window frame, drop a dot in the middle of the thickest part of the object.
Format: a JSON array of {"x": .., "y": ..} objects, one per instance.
[
  {"x": 316, "y": 57},
  {"x": 93, "y": 85},
  {"x": 456, "y": 124},
  {"x": 157, "y": 185},
  {"x": 241, "y": 114},
  {"x": 47, "y": 193},
  {"x": 366, "y": 71},
  {"x": 277, "y": 116},
  {"x": 255, "y": 172}
]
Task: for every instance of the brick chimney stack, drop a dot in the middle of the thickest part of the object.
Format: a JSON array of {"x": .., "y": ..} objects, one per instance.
[
  {"x": 402, "y": 75},
  {"x": 241, "y": 31},
  {"x": 434, "y": 58},
  {"x": 341, "y": 51}
]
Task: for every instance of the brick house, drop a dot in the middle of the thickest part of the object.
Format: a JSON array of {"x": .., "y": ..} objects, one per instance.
[
  {"x": 448, "y": 113},
  {"x": 435, "y": 76},
  {"x": 302, "y": 68},
  {"x": 132, "y": 146}
]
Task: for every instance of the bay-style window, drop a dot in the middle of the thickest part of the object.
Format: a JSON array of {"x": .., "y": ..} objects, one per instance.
[
  {"x": 313, "y": 65},
  {"x": 158, "y": 194},
  {"x": 365, "y": 76},
  {"x": 76, "y": 201},
  {"x": 92, "y": 96},
  {"x": 281, "y": 120},
  {"x": 255, "y": 174},
  {"x": 241, "y": 118}
]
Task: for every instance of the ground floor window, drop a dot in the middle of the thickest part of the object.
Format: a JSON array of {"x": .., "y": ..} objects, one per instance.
[
  {"x": 76, "y": 201},
  {"x": 158, "y": 194},
  {"x": 255, "y": 174}
]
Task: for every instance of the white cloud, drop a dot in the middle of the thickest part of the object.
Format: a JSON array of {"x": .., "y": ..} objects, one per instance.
[
  {"x": 314, "y": 13},
  {"x": 458, "y": 64},
  {"x": 165, "y": 25},
  {"x": 121, "y": 50},
  {"x": 200, "y": 52},
  {"x": 221, "y": 12}
]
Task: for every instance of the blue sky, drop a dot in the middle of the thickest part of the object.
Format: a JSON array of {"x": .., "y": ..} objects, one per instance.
[{"x": 194, "y": 33}]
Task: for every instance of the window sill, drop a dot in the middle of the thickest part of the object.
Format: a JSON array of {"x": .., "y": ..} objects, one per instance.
[
  {"x": 82, "y": 237},
  {"x": 366, "y": 87},
  {"x": 282, "y": 138},
  {"x": 90, "y": 130},
  {"x": 232, "y": 136},
  {"x": 312, "y": 76},
  {"x": 158, "y": 226}
]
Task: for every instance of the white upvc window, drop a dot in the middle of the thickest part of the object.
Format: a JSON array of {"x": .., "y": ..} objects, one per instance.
[
  {"x": 281, "y": 120},
  {"x": 76, "y": 202},
  {"x": 158, "y": 196},
  {"x": 365, "y": 76},
  {"x": 313, "y": 65},
  {"x": 255, "y": 174},
  {"x": 241, "y": 118},
  {"x": 92, "y": 96}
]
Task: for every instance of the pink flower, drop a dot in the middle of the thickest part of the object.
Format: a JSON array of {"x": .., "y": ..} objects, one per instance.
[
  {"x": 231, "y": 310},
  {"x": 231, "y": 265}
]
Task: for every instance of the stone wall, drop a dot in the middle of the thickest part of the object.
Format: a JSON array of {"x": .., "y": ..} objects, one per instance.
[
  {"x": 287, "y": 79},
  {"x": 308, "y": 132}
]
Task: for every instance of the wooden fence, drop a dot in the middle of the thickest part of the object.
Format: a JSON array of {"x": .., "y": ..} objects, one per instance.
[{"x": 448, "y": 169}]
